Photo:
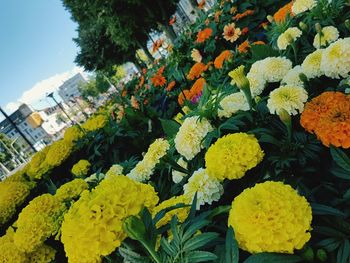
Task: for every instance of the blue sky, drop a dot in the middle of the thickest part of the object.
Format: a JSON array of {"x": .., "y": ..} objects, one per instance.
[{"x": 36, "y": 48}]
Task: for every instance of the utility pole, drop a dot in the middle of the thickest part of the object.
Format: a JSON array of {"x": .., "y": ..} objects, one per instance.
[{"x": 17, "y": 129}]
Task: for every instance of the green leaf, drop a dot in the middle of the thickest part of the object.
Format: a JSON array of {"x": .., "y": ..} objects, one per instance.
[
  {"x": 200, "y": 256},
  {"x": 340, "y": 158},
  {"x": 231, "y": 247},
  {"x": 318, "y": 209},
  {"x": 343, "y": 254},
  {"x": 273, "y": 257},
  {"x": 262, "y": 51},
  {"x": 171, "y": 251},
  {"x": 329, "y": 244},
  {"x": 347, "y": 194},
  {"x": 199, "y": 241},
  {"x": 170, "y": 127},
  {"x": 194, "y": 227}
]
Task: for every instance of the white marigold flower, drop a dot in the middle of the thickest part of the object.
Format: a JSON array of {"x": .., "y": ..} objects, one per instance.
[
  {"x": 275, "y": 68},
  {"x": 288, "y": 98},
  {"x": 176, "y": 175},
  {"x": 196, "y": 55},
  {"x": 208, "y": 189},
  {"x": 115, "y": 169},
  {"x": 233, "y": 103},
  {"x": 328, "y": 35},
  {"x": 293, "y": 77},
  {"x": 335, "y": 61},
  {"x": 301, "y": 6},
  {"x": 288, "y": 37},
  {"x": 312, "y": 64},
  {"x": 188, "y": 140},
  {"x": 257, "y": 83}
]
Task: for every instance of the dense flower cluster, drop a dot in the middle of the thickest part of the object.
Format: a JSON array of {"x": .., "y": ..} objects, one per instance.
[
  {"x": 92, "y": 228},
  {"x": 42, "y": 254},
  {"x": 38, "y": 221},
  {"x": 196, "y": 70},
  {"x": 81, "y": 168},
  {"x": 231, "y": 104},
  {"x": 115, "y": 169},
  {"x": 328, "y": 116},
  {"x": 287, "y": 98},
  {"x": 73, "y": 133},
  {"x": 144, "y": 169},
  {"x": 71, "y": 190},
  {"x": 233, "y": 155},
  {"x": 12, "y": 195},
  {"x": 95, "y": 122},
  {"x": 181, "y": 213},
  {"x": 58, "y": 152},
  {"x": 208, "y": 189},
  {"x": 270, "y": 217},
  {"x": 188, "y": 140},
  {"x": 37, "y": 166}
]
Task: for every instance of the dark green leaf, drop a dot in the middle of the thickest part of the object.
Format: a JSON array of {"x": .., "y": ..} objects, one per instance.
[
  {"x": 170, "y": 127},
  {"x": 318, "y": 209},
  {"x": 231, "y": 247},
  {"x": 199, "y": 241},
  {"x": 340, "y": 158},
  {"x": 272, "y": 257},
  {"x": 200, "y": 256}
]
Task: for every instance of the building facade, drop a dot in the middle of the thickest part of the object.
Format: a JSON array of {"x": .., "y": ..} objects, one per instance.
[{"x": 70, "y": 88}]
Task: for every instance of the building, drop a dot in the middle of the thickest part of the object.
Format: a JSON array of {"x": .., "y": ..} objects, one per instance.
[
  {"x": 30, "y": 124},
  {"x": 70, "y": 88}
]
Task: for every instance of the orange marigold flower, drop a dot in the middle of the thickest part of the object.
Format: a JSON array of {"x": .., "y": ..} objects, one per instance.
[
  {"x": 217, "y": 16},
  {"x": 204, "y": 35},
  {"x": 224, "y": 56},
  {"x": 231, "y": 33},
  {"x": 245, "y": 31},
  {"x": 134, "y": 103},
  {"x": 157, "y": 44},
  {"x": 197, "y": 88},
  {"x": 160, "y": 70},
  {"x": 233, "y": 10},
  {"x": 244, "y": 14},
  {"x": 281, "y": 15},
  {"x": 172, "y": 20},
  {"x": 201, "y": 4},
  {"x": 124, "y": 92},
  {"x": 158, "y": 80},
  {"x": 142, "y": 81},
  {"x": 328, "y": 116},
  {"x": 196, "y": 70},
  {"x": 170, "y": 86},
  {"x": 183, "y": 96},
  {"x": 259, "y": 42},
  {"x": 243, "y": 48}
]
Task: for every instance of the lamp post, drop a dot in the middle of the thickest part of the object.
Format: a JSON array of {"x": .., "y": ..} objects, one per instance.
[
  {"x": 18, "y": 130},
  {"x": 50, "y": 95}
]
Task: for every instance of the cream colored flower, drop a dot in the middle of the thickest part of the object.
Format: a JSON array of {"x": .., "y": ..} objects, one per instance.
[
  {"x": 328, "y": 35},
  {"x": 273, "y": 69},
  {"x": 196, "y": 55},
  {"x": 257, "y": 83},
  {"x": 288, "y": 37},
  {"x": 288, "y": 98},
  {"x": 115, "y": 169},
  {"x": 301, "y": 6},
  {"x": 312, "y": 64},
  {"x": 293, "y": 77},
  {"x": 208, "y": 189},
  {"x": 178, "y": 176},
  {"x": 231, "y": 32},
  {"x": 233, "y": 103}
]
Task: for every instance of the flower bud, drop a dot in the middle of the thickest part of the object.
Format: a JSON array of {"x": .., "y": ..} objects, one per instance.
[
  {"x": 308, "y": 254},
  {"x": 239, "y": 78},
  {"x": 321, "y": 255},
  {"x": 347, "y": 23},
  {"x": 318, "y": 28},
  {"x": 269, "y": 18},
  {"x": 284, "y": 116},
  {"x": 134, "y": 228},
  {"x": 303, "y": 26}
]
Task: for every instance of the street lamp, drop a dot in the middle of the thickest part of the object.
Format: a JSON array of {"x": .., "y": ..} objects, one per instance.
[{"x": 50, "y": 95}]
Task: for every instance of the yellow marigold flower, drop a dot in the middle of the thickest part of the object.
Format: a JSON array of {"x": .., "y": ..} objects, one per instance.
[
  {"x": 73, "y": 134},
  {"x": 9, "y": 253},
  {"x": 288, "y": 37},
  {"x": 42, "y": 254},
  {"x": 12, "y": 195},
  {"x": 181, "y": 213},
  {"x": 301, "y": 6},
  {"x": 233, "y": 155},
  {"x": 335, "y": 61},
  {"x": 196, "y": 55},
  {"x": 271, "y": 217},
  {"x": 176, "y": 175},
  {"x": 39, "y": 220},
  {"x": 92, "y": 228},
  {"x": 208, "y": 189},
  {"x": 115, "y": 169},
  {"x": 59, "y": 151},
  {"x": 21, "y": 176},
  {"x": 293, "y": 77},
  {"x": 232, "y": 103},
  {"x": 81, "y": 168},
  {"x": 188, "y": 140},
  {"x": 71, "y": 190},
  {"x": 288, "y": 98},
  {"x": 144, "y": 169},
  {"x": 37, "y": 166},
  {"x": 312, "y": 64},
  {"x": 96, "y": 122},
  {"x": 328, "y": 35}
]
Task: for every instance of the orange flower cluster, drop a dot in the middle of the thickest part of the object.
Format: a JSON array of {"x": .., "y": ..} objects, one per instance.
[
  {"x": 196, "y": 70},
  {"x": 281, "y": 15},
  {"x": 201, "y": 4},
  {"x": 244, "y": 47},
  {"x": 224, "y": 56},
  {"x": 244, "y": 14},
  {"x": 170, "y": 86},
  {"x": 157, "y": 44},
  {"x": 245, "y": 31},
  {"x": 328, "y": 116},
  {"x": 158, "y": 80},
  {"x": 204, "y": 34},
  {"x": 194, "y": 93},
  {"x": 172, "y": 20},
  {"x": 217, "y": 16}
]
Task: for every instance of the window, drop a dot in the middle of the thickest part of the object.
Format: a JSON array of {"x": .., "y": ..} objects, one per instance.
[
  {"x": 36, "y": 137},
  {"x": 25, "y": 124}
]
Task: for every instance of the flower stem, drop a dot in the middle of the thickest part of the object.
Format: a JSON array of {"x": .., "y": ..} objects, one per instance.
[
  {"x": 295, "y": 53},
  {"x": 248, "y": 96},
  {"x": 151, "y": 251}
]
